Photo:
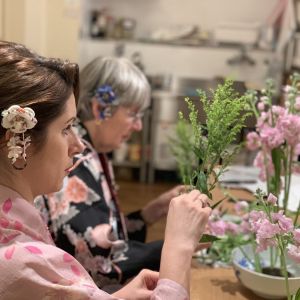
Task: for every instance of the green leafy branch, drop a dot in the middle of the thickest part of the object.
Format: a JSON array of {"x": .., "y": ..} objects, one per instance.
[{"x": 200, "y": 148}]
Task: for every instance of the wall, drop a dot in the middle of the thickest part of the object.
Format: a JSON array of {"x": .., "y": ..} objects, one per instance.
[
  {"x": 50, "y": 27},
  {"x": 13, "y": 20},
  {"x": 62, "y": 29}
]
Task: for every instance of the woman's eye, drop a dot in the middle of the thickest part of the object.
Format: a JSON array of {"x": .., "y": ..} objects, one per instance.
[{"x": 68, "y": 129}]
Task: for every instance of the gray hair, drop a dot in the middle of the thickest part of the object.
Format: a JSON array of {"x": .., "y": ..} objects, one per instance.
[{"x": 129, "y": 84}]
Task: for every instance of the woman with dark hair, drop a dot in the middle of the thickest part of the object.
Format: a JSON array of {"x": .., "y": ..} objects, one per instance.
[
  {"x": 85, "y": 216},
  {"x": 37, "y": 146}
]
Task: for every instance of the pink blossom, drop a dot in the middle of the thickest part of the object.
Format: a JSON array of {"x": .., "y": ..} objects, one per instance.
[
  {"x": 294, "y": 253},
  {"x": 263, "y": 161},
  {"x": 261, "y": 106},
  {"x": 253, "y": 141},
  {"x": 232, "y": 228},
  {"x": 278, "y": 110},
  {"x": 296, "y": 234},
  {"x": 215, "y": 215},
  {"x": 255, "y": 219},
  {"x": 218, "y": 228},
  {"x": 285, "y": 224},
  {"x": 267, "y": 230},
  {"x": 241, "y": 207},
  {"x": 272, "y": 137},
  {"x": 287, "y": 88},
  {"x": 245, "y": 227},
  {"x": 290, "y": 127},
  {"x": 263, "y": 244},
  {"x": 272, "y": 199},
  {"x": 297, "y": 103},
  {"x": 261, "y": 120},
  {"x": 264, "y": 99}
]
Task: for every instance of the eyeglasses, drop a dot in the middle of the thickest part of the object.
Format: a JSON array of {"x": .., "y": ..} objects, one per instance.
[{"x": 135, "y": 116}]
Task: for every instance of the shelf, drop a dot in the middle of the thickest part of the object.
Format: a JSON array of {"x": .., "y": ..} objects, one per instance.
[{"x": 129, "y": 164}]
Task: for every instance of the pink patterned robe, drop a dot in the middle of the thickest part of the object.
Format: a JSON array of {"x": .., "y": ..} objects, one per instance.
[{"x": 32, "y": 267}]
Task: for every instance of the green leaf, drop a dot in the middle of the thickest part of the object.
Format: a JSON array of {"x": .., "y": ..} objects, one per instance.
[
  {"x": 216, "y": 204},
  {"x": 202, "y": 183},
  {"x": 207, "y": 238}
]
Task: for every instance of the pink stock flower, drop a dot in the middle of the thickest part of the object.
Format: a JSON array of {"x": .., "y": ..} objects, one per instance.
[
  {"x": 287, "y": 88},
  {"x": 261, "y": 106},
  {"x": 262, "y": 160},
  {"x": 294, "y": 253},
  {"x": 278, "y": 111},
  {"x": 290, "y": 128},
  {"x": 218, "y": 228},
  {"x": 272, "y": 199},
  {"x": 267, "y": 230},
  {"x": 296, "y": 234},
  {"x": 253, "y": 141},
  {"x": 285, "y": 224},
  {"x": 255, "y": 219},
  {"x": 245, "y": 227},
  {"x": 263, "y": 244},
  {"x": 241, "y": 207},
  {"x": 297, "y": 103},
  {"x": 272, "y": 137},
  {"x": 232, "y": 228}
]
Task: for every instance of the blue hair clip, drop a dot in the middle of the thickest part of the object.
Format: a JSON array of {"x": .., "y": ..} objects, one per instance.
[{"x": 105, "y": 95}]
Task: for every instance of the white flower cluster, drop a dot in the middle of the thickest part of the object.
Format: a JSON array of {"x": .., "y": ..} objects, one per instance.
[{"x": 18, "y": 120}]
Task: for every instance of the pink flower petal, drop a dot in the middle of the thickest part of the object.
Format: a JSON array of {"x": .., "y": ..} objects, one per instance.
[
  {"x": 9, "y": 252},
  {"x": 7, "y": 205},
  {"x": 34, "y": 249},
  {"x": 75, "y": 270},
  {"x": 18, "y": 225},
  {"x": 4, "y": 222},
  {"x": 68, "y": 258},
  {"x": 8, "y": 238}
]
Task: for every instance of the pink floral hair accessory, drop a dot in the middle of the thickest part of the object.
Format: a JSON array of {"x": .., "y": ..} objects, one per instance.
[{"x": 17, "y": 121}]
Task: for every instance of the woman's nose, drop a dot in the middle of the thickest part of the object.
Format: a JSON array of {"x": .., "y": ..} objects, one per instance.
[
  {"x": 77, "y": 145},
  {"x": 138, "y": 124}
]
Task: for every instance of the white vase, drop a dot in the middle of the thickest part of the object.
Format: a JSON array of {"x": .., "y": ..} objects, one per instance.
[{"x": 265, "y": 286}]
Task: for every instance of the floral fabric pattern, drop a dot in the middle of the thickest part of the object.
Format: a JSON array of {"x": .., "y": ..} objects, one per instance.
[{"x": 26, "y": 247}]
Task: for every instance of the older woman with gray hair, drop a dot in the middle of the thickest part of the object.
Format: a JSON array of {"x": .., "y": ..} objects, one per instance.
[{"x": 85, "y": 216}]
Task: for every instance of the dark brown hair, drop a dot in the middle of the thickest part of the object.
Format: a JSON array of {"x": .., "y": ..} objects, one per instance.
[{"x": 30, "y": 80}]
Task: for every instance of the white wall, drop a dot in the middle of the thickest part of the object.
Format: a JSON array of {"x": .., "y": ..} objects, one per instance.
[
  {"x": 50, "y": 27},
  {"x": 207, "y": 14}
]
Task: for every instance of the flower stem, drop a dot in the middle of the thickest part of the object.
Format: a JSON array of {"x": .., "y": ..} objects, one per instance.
[
  {"x": 245, "y": 254},
  {"x": 297, "y": 215},
  {"x": 284, "y": 269},
  {"x": 288, "y": 176},
  {"x": 256, "y": 259}
]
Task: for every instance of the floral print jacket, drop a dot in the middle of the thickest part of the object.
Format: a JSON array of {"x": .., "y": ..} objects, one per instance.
[{"x": 32, "y": 267}]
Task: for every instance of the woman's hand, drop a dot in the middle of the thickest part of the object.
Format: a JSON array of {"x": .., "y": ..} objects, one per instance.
[
  {"x": 158, "y": 207},
  {"x": 187, "y": 219},
  {"x": 139, "y": 288}
]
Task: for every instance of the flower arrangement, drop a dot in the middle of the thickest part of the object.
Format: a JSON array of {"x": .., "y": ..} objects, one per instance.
[
  {"x": 264, "y": 224},
  {"x": 277, "y": 136}
]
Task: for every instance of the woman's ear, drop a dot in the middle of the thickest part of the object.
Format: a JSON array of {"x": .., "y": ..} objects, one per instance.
[{"x": 97, "y": 109}]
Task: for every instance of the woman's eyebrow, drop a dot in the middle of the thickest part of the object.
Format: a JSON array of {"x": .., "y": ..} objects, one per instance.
[{"x": 71, "y": 119}]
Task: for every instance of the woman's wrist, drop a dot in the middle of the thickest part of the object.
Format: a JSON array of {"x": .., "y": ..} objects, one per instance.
[{"x": 176, "y": 262}]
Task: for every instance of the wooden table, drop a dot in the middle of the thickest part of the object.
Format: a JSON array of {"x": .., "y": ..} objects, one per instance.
[{"x": 217, "y": 284}]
